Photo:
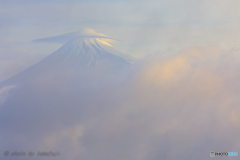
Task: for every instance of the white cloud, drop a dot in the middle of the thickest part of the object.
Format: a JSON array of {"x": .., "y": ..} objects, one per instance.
[
  {"x": 4, "y": 93},
  {"x": 175, "y": 107}
]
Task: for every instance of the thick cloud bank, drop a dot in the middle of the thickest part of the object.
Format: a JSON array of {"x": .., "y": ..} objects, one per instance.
[{"x": 169, "y": 108}]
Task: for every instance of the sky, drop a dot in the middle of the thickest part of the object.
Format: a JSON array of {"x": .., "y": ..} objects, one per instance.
[
  {"x": 142, "y": 27},
  {"x": 181, "y": 101}
]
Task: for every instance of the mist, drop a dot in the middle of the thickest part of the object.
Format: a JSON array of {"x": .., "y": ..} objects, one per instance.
[{"x": 165, "y": 107}]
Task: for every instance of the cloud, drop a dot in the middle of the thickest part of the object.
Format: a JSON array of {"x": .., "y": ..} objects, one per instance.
[
  {"x": 178, "y": 106},
  {"x": 174, "y": 107},
  {"x": 4, "y": 93},
  {"x": 84, "y": 33}
]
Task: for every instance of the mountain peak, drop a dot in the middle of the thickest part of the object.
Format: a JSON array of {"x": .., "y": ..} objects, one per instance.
[
  {"x": 90, "y": 42},
  {"x": 64, "y": 38},
  {"x": 89, "y": 52},
  {"x": 79, "y": 55}
]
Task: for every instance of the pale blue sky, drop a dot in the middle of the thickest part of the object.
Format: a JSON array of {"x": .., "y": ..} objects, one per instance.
[{"x": 143, "y": 27}]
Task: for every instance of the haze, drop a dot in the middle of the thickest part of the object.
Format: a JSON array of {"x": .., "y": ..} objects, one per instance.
[{"x": 172, "y": 95}]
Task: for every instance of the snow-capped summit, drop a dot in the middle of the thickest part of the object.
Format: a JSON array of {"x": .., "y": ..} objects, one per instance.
[
  {"x": 81, "y": 55},
  {"x": 64, "y": 38}
]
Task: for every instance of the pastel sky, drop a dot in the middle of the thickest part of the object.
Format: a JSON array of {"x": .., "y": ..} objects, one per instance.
[{"x": 143, "y": 27}]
